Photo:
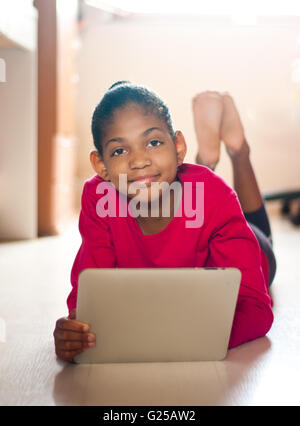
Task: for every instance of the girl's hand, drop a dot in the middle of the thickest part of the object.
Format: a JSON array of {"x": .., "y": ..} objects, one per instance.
[{"x": 72, "y": 337}]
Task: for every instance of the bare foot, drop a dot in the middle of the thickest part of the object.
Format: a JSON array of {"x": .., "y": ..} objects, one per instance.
[
  {"x": 207, "y": 112},
  {"x": 232, "y": 131}
]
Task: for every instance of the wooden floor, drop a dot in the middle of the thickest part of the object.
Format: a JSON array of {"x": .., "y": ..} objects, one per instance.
[{"x": 34, "y": 285}]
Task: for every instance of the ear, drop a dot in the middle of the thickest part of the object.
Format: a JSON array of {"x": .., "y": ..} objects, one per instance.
[
  {"x": 98, "y": 165},
  {"x": 181, "y": 147}
]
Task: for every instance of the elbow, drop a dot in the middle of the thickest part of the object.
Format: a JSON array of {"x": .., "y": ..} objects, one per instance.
[
  {"x": 267, "y": 322},
  {"x": 250, "y": 325}
]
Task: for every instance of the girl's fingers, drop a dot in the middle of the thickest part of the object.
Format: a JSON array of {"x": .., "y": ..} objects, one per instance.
[
  {"x": 72, "y": 338},
  {"x": 71, "y": 345},
  {"x": 69, "y": 349},
  {"x": 68, "y": 355},
  {"x": 66, "y": 335},
  {"x": 74, "y": 325}
]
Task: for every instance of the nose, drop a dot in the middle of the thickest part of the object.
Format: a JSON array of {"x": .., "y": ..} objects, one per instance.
[{"x": 139, "y": 159}]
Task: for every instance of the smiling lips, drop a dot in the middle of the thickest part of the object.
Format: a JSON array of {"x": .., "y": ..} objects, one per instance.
[{"x": 144, "y": 180}]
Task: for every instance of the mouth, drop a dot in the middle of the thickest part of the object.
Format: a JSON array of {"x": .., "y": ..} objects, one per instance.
[{"x": 144, "y": 180}]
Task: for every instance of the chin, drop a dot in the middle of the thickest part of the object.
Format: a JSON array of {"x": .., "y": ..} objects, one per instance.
[{"x": 143, "y": 197}]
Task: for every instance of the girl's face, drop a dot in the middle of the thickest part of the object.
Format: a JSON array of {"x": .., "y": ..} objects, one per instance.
[{"x": 140, "y": 146}]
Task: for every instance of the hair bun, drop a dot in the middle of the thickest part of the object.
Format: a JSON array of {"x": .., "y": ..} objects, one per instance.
[{"x": 118, "y": 83}]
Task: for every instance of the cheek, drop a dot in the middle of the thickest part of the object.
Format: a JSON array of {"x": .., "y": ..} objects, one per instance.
[
  {"x": 114, "y": 169},
  {"x": 120, "y": 182},
  {"x": 170, "y": 167},
  {"x": 169, "y": 157}
]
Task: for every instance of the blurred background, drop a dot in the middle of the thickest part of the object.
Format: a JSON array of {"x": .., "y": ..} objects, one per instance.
[{"x": 57, "y": 59}]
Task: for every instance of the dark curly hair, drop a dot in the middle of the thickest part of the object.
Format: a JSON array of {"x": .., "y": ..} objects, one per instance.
[{"x": 119, "y": 95}]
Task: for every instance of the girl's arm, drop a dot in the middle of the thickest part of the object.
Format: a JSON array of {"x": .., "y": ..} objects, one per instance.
[
  {"x": 233, "y": 244},
  {"x": 96, "y": 250}
]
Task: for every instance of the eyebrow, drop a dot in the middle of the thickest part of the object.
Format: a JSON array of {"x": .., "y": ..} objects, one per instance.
[{"x": 145, "y": 133}]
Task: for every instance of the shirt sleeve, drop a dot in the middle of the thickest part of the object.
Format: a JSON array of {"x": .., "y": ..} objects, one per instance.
[
  {"x": 96, "y": 250},
  {"x": 233, "y": 244}
]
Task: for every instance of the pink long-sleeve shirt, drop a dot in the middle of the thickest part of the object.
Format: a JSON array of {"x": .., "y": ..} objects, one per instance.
[{"x": 224, "y": 239}]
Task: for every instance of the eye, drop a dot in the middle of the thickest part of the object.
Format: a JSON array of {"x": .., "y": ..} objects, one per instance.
[
  {"x": 117, "y": 152},
  {"x": 155, "y": 142}
]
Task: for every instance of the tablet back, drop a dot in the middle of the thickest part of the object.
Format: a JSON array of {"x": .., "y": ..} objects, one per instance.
[{"x": 163, "y": 314}]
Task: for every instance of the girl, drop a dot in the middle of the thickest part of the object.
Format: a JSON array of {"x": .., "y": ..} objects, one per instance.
[{"x": 134, "y": 137}]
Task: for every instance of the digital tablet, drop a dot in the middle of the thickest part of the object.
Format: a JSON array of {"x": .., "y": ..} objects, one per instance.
[{"x": 157, "y": 314}]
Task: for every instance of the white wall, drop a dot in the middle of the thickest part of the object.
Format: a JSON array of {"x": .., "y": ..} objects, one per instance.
[
  {"x": 177, "y": 60},
  {"x": 18, "y": 150}
]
